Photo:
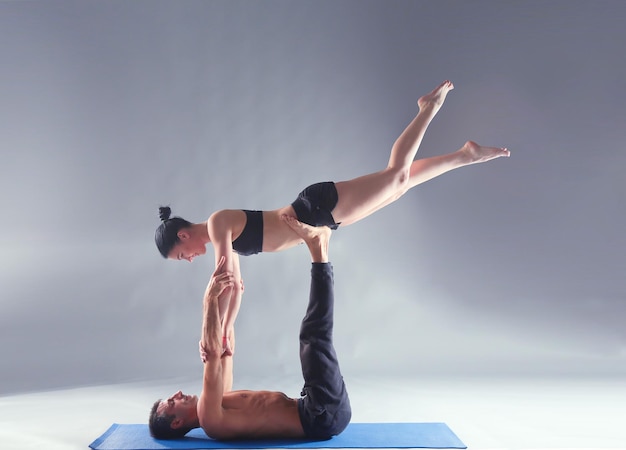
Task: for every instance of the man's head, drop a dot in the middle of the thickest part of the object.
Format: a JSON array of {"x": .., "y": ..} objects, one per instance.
[{"x": 173, "y": 417}]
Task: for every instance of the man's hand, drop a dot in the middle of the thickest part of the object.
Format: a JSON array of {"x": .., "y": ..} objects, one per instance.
[
  {"x": 220, "y": 281},
  {"x": 228, "y": 351},
  {"x": 203, "y": 354}
]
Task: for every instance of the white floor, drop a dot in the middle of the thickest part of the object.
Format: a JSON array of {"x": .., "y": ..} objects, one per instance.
[{"x": 485, "y": 414}]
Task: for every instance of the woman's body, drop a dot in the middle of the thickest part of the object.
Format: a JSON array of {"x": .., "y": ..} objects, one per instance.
[{"x": 343, "y": 202}]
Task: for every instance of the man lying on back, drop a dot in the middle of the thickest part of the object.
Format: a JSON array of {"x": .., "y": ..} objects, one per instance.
[{"x": 324, "y": 408}]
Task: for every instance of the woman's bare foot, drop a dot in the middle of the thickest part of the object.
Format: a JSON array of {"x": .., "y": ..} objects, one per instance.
[
  {"x": 316, "y": 238},
  {"x": 435, "y": 98},
  {"x": 472, "y": 153}
]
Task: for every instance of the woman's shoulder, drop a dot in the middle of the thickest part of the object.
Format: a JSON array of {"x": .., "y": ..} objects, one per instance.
[{"x": 226, "y": 217}]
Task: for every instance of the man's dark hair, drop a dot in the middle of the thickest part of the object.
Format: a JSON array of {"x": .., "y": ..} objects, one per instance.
[
  {"x": 161, "y": 425},
  {"x": 166, "y": 235}
]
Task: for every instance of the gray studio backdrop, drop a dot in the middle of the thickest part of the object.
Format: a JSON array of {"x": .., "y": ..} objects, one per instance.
[{"x": 109, "y": 109}]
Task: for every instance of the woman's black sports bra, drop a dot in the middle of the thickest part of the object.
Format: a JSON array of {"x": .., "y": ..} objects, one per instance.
[{"x": 250, "y": 241}]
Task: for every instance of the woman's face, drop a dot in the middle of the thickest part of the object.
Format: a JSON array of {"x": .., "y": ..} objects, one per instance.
[{"x": 187, "y": 248}]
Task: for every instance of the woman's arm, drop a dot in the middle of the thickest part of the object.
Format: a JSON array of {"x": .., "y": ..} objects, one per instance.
[
  {"x": 220, "y": 232},
  {"x": 227, "y": 358},
  {"x": 228, "y": 327},
  {"x": 220, "y": 227},
  {"x": 227, "y": 366}
]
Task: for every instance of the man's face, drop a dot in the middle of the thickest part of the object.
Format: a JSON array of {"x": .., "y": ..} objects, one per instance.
[{"x": 180, "y": 405}]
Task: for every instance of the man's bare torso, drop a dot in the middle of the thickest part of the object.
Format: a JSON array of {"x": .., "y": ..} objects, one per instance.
[{"x": 256, "y": 414}]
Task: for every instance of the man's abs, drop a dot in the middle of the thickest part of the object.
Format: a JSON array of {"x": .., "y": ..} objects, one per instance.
[{"x": 259, "y": 414}]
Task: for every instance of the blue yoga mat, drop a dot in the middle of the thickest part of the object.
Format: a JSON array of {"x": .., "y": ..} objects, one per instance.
[{"x": 356, "y": 435}]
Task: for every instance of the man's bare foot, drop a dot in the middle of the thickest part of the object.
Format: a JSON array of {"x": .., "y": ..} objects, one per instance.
[
  {"x": 316, "y": 238},
  {"x": 472, "y": 153},
  {"x": 435, "y": 99}
]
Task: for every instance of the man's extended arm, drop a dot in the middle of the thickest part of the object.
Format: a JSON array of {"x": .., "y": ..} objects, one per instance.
[
  {"x": 210, "y": 402},
  {"x": 228, "y": 338}
]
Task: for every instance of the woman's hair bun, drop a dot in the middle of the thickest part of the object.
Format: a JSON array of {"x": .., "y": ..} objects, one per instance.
[{"x": 164, "y": 212}]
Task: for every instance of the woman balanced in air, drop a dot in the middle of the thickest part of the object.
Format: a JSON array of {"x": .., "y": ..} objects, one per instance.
[{"x": 243, "y": 232}]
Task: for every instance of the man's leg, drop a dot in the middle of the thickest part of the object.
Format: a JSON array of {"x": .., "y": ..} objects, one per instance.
[{"x": 325, "y": 409}]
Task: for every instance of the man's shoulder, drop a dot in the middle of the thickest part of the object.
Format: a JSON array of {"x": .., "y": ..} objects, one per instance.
[
  {"x": 223, "y": 426},
  {"x": 209, "y": 418}
]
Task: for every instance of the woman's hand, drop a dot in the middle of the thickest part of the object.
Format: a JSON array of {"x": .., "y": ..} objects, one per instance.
[
  {"x": 226, "y": 349},
  {"x": 228, "y": 342}
]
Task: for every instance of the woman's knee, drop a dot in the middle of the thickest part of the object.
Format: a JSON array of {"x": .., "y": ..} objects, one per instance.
[{"x": 399, "y": 180}]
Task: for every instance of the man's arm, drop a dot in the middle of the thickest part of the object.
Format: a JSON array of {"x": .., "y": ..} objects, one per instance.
[
  {"x": 227, "y": 367},
  {"x": 228, "y": 337},
  {"x": 210, "y": 403}
]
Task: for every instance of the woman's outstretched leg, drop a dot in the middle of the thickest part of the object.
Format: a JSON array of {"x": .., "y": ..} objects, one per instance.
[
  {"x": 421, "y": 171},
  {"x": 426, "y": 169},
  {"x": 405, "y": 148},
  {"x": 363, "y": 194}
]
